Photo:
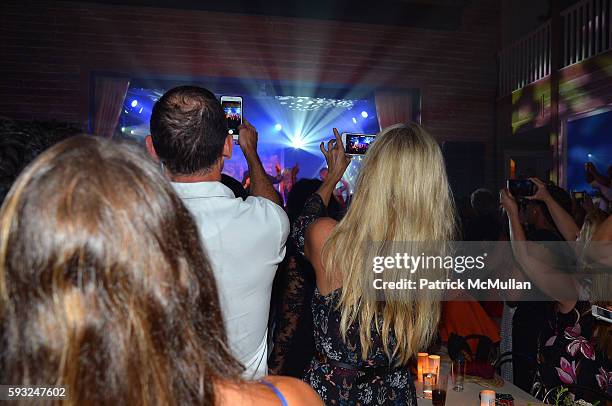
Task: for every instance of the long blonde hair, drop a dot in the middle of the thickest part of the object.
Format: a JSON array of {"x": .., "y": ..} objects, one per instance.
[{"x": 402, "y": 195}]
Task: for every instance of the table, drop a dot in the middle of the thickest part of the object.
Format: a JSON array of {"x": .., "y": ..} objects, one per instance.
[{"x": 469, "y": 395}]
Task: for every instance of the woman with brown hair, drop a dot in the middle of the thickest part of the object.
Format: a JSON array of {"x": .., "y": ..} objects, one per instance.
[{"x": 105, "y": 289}]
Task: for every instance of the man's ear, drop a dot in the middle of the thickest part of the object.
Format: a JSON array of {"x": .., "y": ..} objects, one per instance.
[
  {"x": 228, "y": 147},
  {"x": 151, "y": 148}
]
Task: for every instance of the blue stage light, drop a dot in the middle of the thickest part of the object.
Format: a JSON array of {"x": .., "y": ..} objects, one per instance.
[
  {"x": 354, "y": 120},
  {"x": 590, "y": 155},
  {"x": 140, "y": 111},
  {"x": 278, "y": 127},
  {"x": 134, "y": 103},
  {"x": 122, "y": 129},
  {"x": 364, "y": 114}
]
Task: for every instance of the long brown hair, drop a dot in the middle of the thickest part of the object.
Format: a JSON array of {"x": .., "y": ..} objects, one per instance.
[{"x": 104, "y": 287}]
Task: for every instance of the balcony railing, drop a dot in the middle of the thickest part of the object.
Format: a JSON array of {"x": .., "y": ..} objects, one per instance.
[{"x": 586, "y": 31}]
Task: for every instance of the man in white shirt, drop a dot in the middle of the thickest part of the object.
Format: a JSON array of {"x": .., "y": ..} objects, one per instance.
[{"x": 244, "y": 239}]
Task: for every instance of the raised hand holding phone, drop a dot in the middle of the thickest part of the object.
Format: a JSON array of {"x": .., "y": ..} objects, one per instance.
[
  {"x": 247, "y": 138},
  {"x": 541, "y": 192}
]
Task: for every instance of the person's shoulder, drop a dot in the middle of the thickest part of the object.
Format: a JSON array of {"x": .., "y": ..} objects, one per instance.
[
  {"x": 296, "y": 392},
  {"x": 262, "y": 210},
  {"x": 322, "y": 227}
]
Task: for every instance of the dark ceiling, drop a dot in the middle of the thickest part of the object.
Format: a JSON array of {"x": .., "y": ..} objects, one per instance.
[{"x": 436, "y": 14}]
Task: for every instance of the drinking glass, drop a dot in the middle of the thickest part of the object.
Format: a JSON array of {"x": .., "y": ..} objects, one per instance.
[
  {"x": 429, "y": 380},
  {"x": 438, "y": 395},
  {"x": 458, "y": 374}
]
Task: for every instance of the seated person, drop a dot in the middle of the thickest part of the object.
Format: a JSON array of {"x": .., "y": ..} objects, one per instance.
[{"x": 105, "y": 289}]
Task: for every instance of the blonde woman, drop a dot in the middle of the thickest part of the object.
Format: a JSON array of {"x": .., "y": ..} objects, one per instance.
[{"x": 363, "y": 343}]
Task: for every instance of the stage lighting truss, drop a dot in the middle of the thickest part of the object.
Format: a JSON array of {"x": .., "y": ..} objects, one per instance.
[{"x": 303, "y": 103}]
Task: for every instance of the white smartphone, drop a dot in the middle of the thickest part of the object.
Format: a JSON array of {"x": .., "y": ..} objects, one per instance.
[
  {"x": 232, "y": 107},
  {"x": 601, "y": 313},
  {"x": 357, "y": 144}
]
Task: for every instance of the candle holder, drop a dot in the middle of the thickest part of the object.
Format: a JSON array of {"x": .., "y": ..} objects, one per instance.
[
  {"x": 422, "y": 365},
  {"x": 487, "y": 397},
  {"x": 434, "y": 364}
]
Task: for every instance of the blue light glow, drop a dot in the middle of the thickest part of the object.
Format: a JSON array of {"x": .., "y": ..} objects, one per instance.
[
  {"x": 134, "y": 103},
  {"x": 297, "y": 142},
  {"x": 287, "y": 134},
  {"x": 364, "y": 114}
]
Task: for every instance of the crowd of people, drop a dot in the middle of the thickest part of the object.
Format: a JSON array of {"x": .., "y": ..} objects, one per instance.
[{"x": 142, "y": 277}]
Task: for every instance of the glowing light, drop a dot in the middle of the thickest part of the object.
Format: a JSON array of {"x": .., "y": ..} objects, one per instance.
[
  {"x": 131, "y": 131},
  {"x": 590, "y": 155},
  {"x": 140, "y": 111},
  {"x": 134, "y": 103},
  {"x": 278, "y": 127},
  {"x": 364, "y": 114},
  {"x": 354, "y": 120},
  {"x": 122, "y": 129},
  {"x": 297, "y": 142}
]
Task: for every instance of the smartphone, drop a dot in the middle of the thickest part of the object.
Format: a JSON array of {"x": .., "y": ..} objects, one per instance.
[
  {"x": 357, "y": 144},
  {"x": 601, "y": 313},
  {"x": 232, "y": 107},
  {"x": 521, "y": 188}
]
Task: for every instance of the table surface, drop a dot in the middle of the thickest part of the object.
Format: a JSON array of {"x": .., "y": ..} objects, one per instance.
[{"x": 469, "y": 395}]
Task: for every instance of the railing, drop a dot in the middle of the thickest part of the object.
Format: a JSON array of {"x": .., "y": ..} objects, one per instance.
[
  {"x": 586, "y": 31},
  {"x": 525, "y": 61}
]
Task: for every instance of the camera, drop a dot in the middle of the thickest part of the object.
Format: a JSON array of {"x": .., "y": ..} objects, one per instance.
[
  {"x": 521, "y": 188},
  {"x": 357, "y": 144},
  {"x": 232, "y": 107}
]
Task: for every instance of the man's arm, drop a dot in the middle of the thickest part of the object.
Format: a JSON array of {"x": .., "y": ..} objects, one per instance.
[{"x": 260, "y": 182}]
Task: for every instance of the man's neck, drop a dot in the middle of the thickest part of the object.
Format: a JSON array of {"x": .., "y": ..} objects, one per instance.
[{"x": 212, "y": 176}]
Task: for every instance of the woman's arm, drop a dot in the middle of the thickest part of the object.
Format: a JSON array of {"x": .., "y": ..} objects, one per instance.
[
  {"x": 316, "y": 205},
  {"x": 553, "y": 282},
  {"x": 563, "y": 220}
]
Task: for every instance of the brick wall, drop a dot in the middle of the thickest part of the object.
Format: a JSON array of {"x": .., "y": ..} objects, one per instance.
[{"x": 49, "y": 50}]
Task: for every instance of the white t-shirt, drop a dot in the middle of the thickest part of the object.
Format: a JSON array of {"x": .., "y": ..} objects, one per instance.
[{"x": 245, "y": 241}]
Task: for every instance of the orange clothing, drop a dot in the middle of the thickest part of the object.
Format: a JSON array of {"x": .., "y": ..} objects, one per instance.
[{"x": 465, "y": 318}]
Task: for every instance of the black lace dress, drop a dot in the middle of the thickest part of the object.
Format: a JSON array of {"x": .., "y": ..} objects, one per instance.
[{"x": 337, "y": 372}]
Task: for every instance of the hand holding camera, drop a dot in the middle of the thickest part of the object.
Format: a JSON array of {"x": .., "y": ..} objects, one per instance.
[
  {"x": 508, "y": 202},
  {"x": 541, "y": 191},
  {"x": 247, "y": 138}
]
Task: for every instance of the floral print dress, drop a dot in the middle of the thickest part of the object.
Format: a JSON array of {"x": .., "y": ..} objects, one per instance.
[
  {"x": 338, "y": 373},
  {"x": 567, "y": 354}
]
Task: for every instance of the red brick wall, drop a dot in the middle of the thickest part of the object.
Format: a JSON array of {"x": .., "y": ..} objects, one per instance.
[{"x": 49, "y": 49}]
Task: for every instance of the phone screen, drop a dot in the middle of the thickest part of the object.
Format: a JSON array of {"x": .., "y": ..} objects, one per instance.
[
  {"x": 521, "y": 188},
  {"x": 602, "y": 313},
  {"x": 233, "y": 114},
  {"x": 358, "y": 144}
]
